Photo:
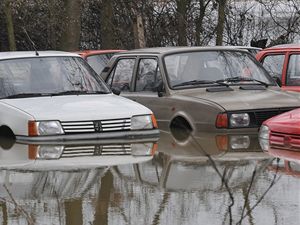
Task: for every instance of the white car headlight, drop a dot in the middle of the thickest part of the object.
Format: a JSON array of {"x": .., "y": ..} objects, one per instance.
[
  {"x": 142, "y": 122},
  {"x": 36, "y": 128},
  {"x": 49, "y": 152},
  {"x": 239, "y": 120}
]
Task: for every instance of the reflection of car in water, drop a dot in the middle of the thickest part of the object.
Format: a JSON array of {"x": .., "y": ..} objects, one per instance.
[
  {"x": 289, "y": 161},
  {"x": 178, "y": 142},
  {"x": 50, "y": 179},
  {"x": 189, "y": 164},
  {"x": 202, "y": 179},
  {"x": 173, "y": 188},
  {"x": 51, "y": 195},
  {"x": 75, "y": 155},
  {"x": 47, "y": 184}
]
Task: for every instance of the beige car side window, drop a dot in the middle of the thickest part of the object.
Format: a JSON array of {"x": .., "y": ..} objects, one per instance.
[
  {"x": 121, "y": 76},
  {"x": 148, "y": 76}
]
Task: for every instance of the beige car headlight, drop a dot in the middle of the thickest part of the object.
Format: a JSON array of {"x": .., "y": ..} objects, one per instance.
[
  {"x": 240, "y": 142},
  {"x": 239, "y": 120},
  {"x": 37, "y": 128},
  {"x": 143, "y": 122}
]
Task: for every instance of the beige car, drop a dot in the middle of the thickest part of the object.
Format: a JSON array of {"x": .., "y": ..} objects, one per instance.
[{"x": 199, "y": 89}]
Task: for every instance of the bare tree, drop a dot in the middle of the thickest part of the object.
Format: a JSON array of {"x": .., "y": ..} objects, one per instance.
[
  {"x": 9, "y": 25},
  {"x": 138, "y": 30},
  {"x": 137, "y": 8},
  {"x": 72, "y": 25},
  {"x": 221, "y": 22},
  {"x": 203, "y": 6},
  {"x": 107, "y": 28},
  {"x": 181, "y": 12},
  {"x": 283, "y": 20},
  {"x": 240, "y": 22},
  {"x": 91, "y": 24}
]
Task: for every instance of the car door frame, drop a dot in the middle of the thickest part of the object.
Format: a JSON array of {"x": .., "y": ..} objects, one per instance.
[
  {"x": 288, "y": 55},
  {"x": 284, "y": 67},
  {"x": 115, "y": 63},
  {"x": 137, "y": 58},
  {"x": 136, "y": 96}
]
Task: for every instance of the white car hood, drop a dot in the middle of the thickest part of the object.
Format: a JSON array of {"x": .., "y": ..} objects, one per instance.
[{"x": 78, "y": 107}]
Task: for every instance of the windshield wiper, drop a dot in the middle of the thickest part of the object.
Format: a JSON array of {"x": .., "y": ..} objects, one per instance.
[
  {"x": 238, "y": 79},
  {"x": 76, "y": 92},
  {"x": 196, "y": 82},
  {"x": 26, "y": 95}
]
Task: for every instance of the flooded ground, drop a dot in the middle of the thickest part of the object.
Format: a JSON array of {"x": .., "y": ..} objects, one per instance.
[{"x": 210, "y": 179}]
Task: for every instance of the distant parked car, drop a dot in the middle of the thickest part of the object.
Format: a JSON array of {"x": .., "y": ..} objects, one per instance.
[
  {"x": 281, "y": 132},
  {"x": 98, "y": 59},
  {"x": 283, "y": 63},
  {"x": 199, "y": 89},
  {"x": 55, "y": 96}
]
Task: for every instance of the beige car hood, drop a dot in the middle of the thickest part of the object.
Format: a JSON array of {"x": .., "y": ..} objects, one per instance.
[{"x": 247, "y": 99}]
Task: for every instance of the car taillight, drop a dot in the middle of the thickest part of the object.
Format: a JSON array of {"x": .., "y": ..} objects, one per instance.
[{"x": 222, "y": 120}]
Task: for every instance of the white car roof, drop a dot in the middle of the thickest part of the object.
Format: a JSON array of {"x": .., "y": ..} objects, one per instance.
[{"x": 31, "y": 54}]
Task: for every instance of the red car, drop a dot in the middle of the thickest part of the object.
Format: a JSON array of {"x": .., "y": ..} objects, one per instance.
[
  {"x": 98, "y": 58},
  {"x": 282, "y": 62},
  {"x": 281, "y": 132}
]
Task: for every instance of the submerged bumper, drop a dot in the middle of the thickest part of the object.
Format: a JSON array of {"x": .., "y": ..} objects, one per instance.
[{"x": 124, "y": 135}]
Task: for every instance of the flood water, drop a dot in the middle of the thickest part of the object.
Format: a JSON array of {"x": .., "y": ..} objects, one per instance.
[{"x": 210, "y": 179}]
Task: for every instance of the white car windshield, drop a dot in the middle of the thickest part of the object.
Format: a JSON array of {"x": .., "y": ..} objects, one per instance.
[
  {"x": 207, "y": 67},
  {"x": 48, "y": 75}
]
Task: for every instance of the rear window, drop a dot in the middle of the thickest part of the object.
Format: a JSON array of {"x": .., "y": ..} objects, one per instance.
[{"x": 98, "y": 62}]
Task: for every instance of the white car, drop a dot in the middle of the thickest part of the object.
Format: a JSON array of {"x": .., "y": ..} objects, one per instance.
[{"x": 56, "y": 96}]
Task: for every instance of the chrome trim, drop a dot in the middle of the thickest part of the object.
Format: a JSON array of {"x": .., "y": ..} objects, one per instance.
[
  {"x": 107, "y": 136},
  {"x": 96, "y": 126}
]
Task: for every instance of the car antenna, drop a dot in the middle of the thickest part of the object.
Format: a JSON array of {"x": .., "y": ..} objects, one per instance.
[{"x": 31, "y": 41}]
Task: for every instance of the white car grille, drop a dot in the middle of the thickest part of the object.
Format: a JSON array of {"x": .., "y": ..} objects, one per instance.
[
  {"x": 95, "y": 150},
  {"x": 96, "y": 126}
]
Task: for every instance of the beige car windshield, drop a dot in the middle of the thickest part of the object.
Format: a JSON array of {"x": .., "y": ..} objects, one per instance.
[{"x": 210, "y": 66}]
